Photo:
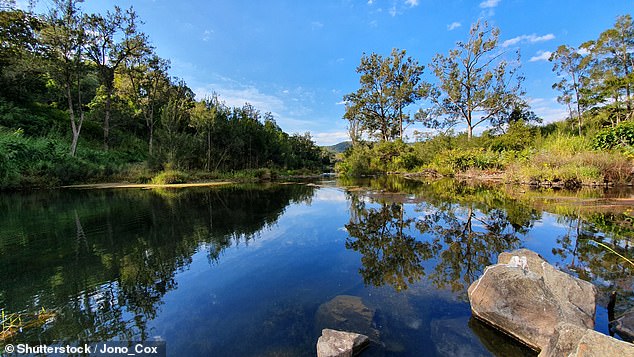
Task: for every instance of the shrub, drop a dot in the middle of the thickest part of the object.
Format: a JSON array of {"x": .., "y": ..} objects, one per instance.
[
  {"x": 621, "y": 136},
  {"x": 169, "y": 177}
]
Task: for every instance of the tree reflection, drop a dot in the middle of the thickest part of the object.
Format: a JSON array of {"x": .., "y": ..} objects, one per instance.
[
  {"x": 590, "y": 261},
  {"x": 462, "y": 228},
  {"x": 113, "y": 255},
  {"x": 390, "y": 254},
  {"x": 471, "y": 241}
]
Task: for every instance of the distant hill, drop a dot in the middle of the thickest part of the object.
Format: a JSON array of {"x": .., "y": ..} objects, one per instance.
[{"x": 339, "y": 148}]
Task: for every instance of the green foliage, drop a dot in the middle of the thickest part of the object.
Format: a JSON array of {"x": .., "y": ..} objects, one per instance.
[
  {"x": 168, "y": 177},
  {"x": 459, "y": 160},
  {"x": 621, "y": 136},
  {"x": 518, "y": 137},
  {"x": 387, "y": 86},
  {"x": 386, "y": 156}
]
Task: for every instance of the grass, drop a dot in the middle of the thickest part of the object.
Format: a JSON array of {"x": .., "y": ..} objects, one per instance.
[{"x": 12, "y": 323}]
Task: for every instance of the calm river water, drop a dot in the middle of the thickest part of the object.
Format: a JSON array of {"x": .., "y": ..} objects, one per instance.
[{"x": 259, "y": 270}]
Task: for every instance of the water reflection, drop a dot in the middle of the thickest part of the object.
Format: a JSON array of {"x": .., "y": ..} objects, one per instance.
[
  {"x": 462, "y": 228},
  {"x": 457, "y": 229},
  {"x": 390, "y": 254},
  {"x": 103, "y": 261}
]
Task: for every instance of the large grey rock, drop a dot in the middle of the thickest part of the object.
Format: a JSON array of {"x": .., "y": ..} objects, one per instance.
[
  {"x": 347, "y": 313},
  {"x": 333, "y": 343},
  {"x": 527, "y": 298},
  {"x": 624, "y": 326},
  {"x": 576, "y": 341}
]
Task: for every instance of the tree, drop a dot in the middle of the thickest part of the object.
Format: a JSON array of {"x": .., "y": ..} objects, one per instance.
[
  {"x": 610, "y": 79},
  {"x": 110, "y": 41},
  {"x": 515, "y": 113},
  {"x": 204, "y": 116},
  {"x": 472, "y": 87},
  {"x": 148, "y": 85},
  {"x": 20, "y": 54},
  {"x": 568, "y": 63},
  {"x": 64, "y": 36},
  {"x": 388, "y": 85}
]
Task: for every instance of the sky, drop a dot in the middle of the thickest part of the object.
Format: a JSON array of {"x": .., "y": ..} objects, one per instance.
[{"x": 297, "y": 59}]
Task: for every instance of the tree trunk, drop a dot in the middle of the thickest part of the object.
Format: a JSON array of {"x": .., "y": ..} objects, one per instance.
[
  {"x": 151, "y": 128},
  {"x": 106, "y": 119}
]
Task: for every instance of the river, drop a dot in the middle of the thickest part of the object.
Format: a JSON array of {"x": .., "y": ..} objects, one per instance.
[{"x": 254, "y": 269}]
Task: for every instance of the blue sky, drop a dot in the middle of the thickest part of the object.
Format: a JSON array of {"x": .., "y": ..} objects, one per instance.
[{"x": 297, "y": 59}]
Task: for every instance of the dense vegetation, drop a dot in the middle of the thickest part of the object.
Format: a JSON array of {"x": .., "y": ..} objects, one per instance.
[
  {"x": 85, "y": 97},
  {"x": 476, "y": 84}
]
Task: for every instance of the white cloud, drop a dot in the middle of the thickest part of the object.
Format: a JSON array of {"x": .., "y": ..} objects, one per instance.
[
  {"x": 527, "y": 38},
  {"x": 316, "y": 25},
  {"x": 411, "y": 3},
  {"x": 342, "y": 102},
  {"x": 393, "y": 11},
  {"x": 487, "y": 4},
  {"x": 330, "y": 138},
  {"x": 583, "y": 51},
  {"x": 237, "y": 96},
  {"x": 548, "y": 109},
  {"x": 454, "y": 25},
  {"x": 207, "y": 35},
  {"x": 370, "y": 2},
  {"x": 541, "y": 56}
]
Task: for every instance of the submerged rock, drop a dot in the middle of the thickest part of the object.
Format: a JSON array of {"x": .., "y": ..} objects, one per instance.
[
  {"x": 624, "y": 326},
  {"x": 454, "y": 338},
  {"x": 347, "y": 313},
  {"x": 333, "y": 343},
  {"x": 527, "y": 298},
  {"x": 576, "y": 341}
]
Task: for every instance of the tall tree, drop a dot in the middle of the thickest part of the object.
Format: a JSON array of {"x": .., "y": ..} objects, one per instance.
[
  {"x": 614, "y": 53},
  {"x": 569, "y": 64},
  {"x": 475, "y": 85},
  {"x": 148, "y": 86},
  {"x": 64, "y": 36},
  {"x": 20, "y": 54},
  {"x": 204, "y": 116},
  {"x": 388, "y": 86},
  {"x": 111, "y": 40}
]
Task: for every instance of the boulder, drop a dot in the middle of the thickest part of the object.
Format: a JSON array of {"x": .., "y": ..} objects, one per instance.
[
  {"x": 624, "y": 326},
  {"x": 576, "y": 341},
  {"x": 527, "y": 298},
  {"x": 347, "y": 313},
  {"x": 333, "y": 343}
]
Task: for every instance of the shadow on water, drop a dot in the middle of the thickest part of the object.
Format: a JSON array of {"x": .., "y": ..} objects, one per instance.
[{"x": 103, "y": 260}]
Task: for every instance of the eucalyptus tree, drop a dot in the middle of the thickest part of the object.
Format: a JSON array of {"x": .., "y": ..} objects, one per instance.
[
  {"x": 475, "y": 83},
  {"x": 147, "y": 83},
  {"x": 388, "y": 86},
  {"x": 570, "y": 66},
  {"x": 64, "y": 38},
  {"x": 111, "y": 40},
  {"x": 610, "y": 77}
]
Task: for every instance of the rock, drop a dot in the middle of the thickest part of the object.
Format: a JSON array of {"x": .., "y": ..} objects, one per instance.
[
  {"x": 576, "y": 341},
  {"x": 452, "y": 337},
  {"x": 347, "y": 313},
  {"x": 624, "y": 326},
  {"x": 333, "y": 343},
  {"x": 529, "y": 297}
]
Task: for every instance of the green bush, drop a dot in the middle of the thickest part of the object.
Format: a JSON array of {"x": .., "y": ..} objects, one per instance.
[
  {"x": 461, "y": 160},
  {"x": 621, "y": 136},
  {"x": 169, "y": 177}
]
